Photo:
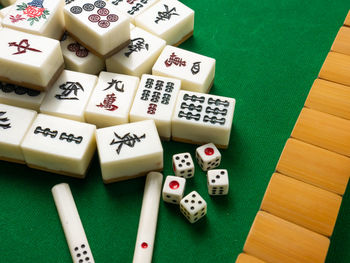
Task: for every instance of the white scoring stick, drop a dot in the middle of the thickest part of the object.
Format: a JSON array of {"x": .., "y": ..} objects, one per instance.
[
  {"x": 148, "y": 219},
  {"x": 72, "y": 226}
]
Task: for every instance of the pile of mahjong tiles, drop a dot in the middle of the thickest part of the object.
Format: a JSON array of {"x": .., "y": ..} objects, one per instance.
[{"x": 90, "y": 74}]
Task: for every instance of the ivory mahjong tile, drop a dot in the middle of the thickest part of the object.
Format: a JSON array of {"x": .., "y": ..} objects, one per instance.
[
  {"x": 69, "y": 95},
  {"x": 155, "y": 100},
  {"x": 4, "y": 11},
  {"x": 14, "y": 123},
  {"x": 111, "y": 100},
  {"x": 168, "y": 19},
  {"x": 78, "y": 58},
  {"x": 21, "y": 97},
  {"x": 139, "y": 56},
  {"x": 95, "y": 24},
  {"x": 203, "y": 118},
  {"x": 133, "y": 8},
  {"x": 129, "y": 150},
  {"x": 39, "y": 17},
  {"x": 195, "y": 71},
  {"x": 29, "y": 60},
  {"x": 59, "y": 145}
]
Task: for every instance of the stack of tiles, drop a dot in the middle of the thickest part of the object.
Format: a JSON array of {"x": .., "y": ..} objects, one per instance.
[
  {"x": 155, "y": 100},
  {"x": 94, "y": 24},
  {"x": 129, "y": 150},
  {"x": 314, "y": 166},
  {"x": 39, "y": 17},
  {"x": 29, "y": 60}
]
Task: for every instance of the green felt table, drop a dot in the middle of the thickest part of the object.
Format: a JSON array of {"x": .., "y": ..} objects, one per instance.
[{"x": 268, "y": 54}]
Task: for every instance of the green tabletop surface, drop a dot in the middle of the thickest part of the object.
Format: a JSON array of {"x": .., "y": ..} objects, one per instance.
[{"x": 268, "y": 53}]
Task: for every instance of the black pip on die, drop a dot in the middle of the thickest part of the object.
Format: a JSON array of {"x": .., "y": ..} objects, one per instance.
[
  {"x": 183, "y": 165},
  {"x": 193, "y": 207},
  {"x": 217, "y": 181},
  {"x": 173, "y": 189},
  {"x": 208, "y": 156}
]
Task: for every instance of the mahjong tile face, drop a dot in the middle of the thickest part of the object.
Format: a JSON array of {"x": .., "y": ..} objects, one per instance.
[
  {"x": 59, "y": 145},
  {"x": 128, "y": 150},
  {"x": 25, "y": 55},
  {"x": 21, "y": 97},
  {"x": 14, "y": 123},
  {"x": 69, "y": 95},
  {"x": 40, "y": 17},
  {"x": 139, "y": 56},
  {"x": 195, "y": 71},
  {"x": 95, "y": 23},
  {"x": 155, "y": 99},
  {"x": 169, "y": 19},
  {"x": 78, "y": 58},
  {"x": 203, "y": 118},
  {"x": 111, "y": 100},
  {"x": 133, "y": 8}
]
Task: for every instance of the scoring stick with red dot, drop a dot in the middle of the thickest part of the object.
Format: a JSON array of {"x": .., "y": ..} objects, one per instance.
[{"x": 148, "y": 219}]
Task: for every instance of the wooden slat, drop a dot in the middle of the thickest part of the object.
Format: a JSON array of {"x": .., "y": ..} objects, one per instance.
[
  {"x": 245, "y": 258},
  {"x": 275, "y": 240},
  {"x": 347, "y": 20},
  {"x": 330, "y": 97},
  {"x": 314, "y": 165},
  {"x": 303, "y": 204},
  {"x": 336, "y": 68},
  {"x": 323, "y": 130},
  {"x": 341, "y": 43}
]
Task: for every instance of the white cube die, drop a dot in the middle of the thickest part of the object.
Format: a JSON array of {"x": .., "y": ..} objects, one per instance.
[
  {"x": 155, "y": 99},
  {"x": 78, "y": 58},
  {"x": 173, "y": 189},
  {"x": 132, "y": 8},
  {"x": 139, "y": 56},
  {"x": 39, "y": 17},
  {"x": 195, "y": 71},
  {"x": 202, "y": 118},
  {"x": 59, "y": 145},
  {"x": 129, "y": 150},
  {"x": 14, "y": 124},
  {"x": 193, "y": 207},
  {"x": 169, "y": 19},
  {"x": 98, "y": 26},
  {"x": 208, "y": 156},
  {"x": 217, "y": 181},
  {"x": 69, "y": 96},
  {"x": 111, "y": 100},
  {"x": 183, "y": 165},
  {"x": 29, "y": 60},
  {"x": 21, "y": 97}
]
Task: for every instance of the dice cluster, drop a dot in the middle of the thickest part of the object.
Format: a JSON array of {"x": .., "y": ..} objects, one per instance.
[{"x": 193, "y": 206}]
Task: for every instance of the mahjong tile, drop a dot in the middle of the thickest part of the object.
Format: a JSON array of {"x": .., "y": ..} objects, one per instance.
[
  {"x": 39, "y": 17},
  {"x": 139, "y": 56},
  {"x": 131, "y": 26},
  {"x": 133, "y": 8},
  {"x": 202, "y": 118},
  {"x": 4, "y": 11},
  {"x": 78, "y": 58},
  {"x": 21, "y": 97},
  {"x": 98, "y": 25},
  {"x": 196, "y": 71},
  {"x": 14, "y": 123},
  {"x": 111, "y": 100},
  {"x": 169, "y": 19},
  {"x": 129, "y": 150},
  {"x": 69, "y": 95},
  {"x": 155, "y": 99},
  {"x": 69, "y": 2},
  {"x": 7, "y": 2},
  {"x": 29, "y": 60},
  {"x": 59, "y": 145}
]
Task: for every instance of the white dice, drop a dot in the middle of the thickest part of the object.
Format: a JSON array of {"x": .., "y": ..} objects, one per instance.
[
  {"x": 183, "y": 165},
  {"x": 193, "y": 207},
  {"x": 173, "y": 189},
  {"x": 217, "y": 181},
  {"x": 208, "y": 156}
]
